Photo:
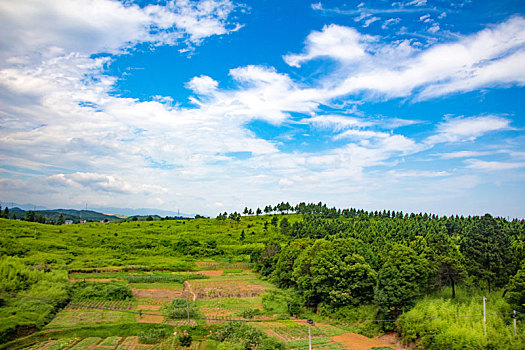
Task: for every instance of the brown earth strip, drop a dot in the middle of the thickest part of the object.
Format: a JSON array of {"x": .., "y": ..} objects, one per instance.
[
  {"x": 157, "y": 293},
  {"x": 211, "y": 273},
  {"x": 357, "y": 341}
]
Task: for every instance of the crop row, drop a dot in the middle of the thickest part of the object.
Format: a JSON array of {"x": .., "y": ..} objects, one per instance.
[
  {"x": 100, "y": 304},
  {"x": 163, "y": 278}
]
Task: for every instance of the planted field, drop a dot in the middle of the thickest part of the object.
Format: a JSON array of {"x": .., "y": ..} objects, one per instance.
[
  {"x": 101, "y": 304},
  {"x": 85, "y": 317},
  {"x": 226, "y": 289}
]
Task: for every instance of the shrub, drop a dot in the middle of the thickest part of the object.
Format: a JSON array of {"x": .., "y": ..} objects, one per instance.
[
  {"x": 152, "y": 336},
  {"x": 240, "y": 333},
  {"x": 185, "y": 339},
  {"x": 111, "y": 291}
]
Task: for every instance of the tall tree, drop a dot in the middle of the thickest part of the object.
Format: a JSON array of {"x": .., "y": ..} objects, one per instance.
[
  {"x": 402, "y": 277},
  {"x": 488, "y": 251}
]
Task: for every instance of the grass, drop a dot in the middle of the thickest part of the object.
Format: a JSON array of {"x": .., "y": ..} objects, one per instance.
[
  {"x": 109, "y": 341},
  {"x": 319, "y": 342},
  {"x": 100, "y": 331},
  {"x": 69, "y": 318},
  {"x": 85, "y": 343},
  {"x": 161, "y": 245},
  {"x": 441, "y": 330}
]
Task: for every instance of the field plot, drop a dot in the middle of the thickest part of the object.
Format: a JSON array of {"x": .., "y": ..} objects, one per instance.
[
  {"x": 88, "y": 317},
  {"x": 214, "y": 289},
  {"x": 158, "y": 294},
  {"x": 358, "y": 342},
  {"x": 228, "y": 307}
]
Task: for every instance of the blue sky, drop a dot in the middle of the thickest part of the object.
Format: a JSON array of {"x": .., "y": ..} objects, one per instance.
[{"x": 215, "y": 105}]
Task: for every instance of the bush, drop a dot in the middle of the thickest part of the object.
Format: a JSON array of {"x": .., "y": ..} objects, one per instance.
[
  {"x": 110, "y": 291},
  {"x": 185, "y": 339},
  {"x": 240, "y": 333},
  {"x": 152, "y": 336}
]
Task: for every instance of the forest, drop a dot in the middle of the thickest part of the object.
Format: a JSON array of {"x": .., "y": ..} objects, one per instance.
[{"x": 421, "y": 276}]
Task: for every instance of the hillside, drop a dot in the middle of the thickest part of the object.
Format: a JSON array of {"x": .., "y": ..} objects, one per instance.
[
  {"x": 53, "y": 216},
  {"x": 330, "y": 265}
]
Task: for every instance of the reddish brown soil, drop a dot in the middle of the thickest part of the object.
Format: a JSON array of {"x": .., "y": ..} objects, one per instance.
[
  {"x": 391, "y": 340},
  {"x": 149, "y": 307},
  {"x": 157, "y": 293},
  {"x": 210, "y": 273},
  {"x": 225, "y": 289},
  {"x": 93, "y": 279},
  {"x": 215, "y": 311},
  {"x": 129, "y": 343},
  {"x": 47, "y": 345},
  {"x": 357, "y": 341}
]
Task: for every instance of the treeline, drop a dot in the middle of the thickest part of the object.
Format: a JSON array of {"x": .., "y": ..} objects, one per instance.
[
  {"x": 56, "y": 216},
  {"x": 336, "y": 258}
]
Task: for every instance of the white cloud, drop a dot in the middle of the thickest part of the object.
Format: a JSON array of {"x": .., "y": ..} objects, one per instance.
[
  {"x": 418, "y": 173},
  {"x": 369, "y": 21},
  {"x": 341, "y": 43},
  {"x": 467, "y": 128},
  {"x": 390, "y": 21},
  {"x": 105, "y": 183},
  {"x": 492, "y": 165},
  {"x": 464, "y": 154},
  {"x": 489, "y": 58},
  {"x": 50, "y": 28},
  {"x": 416, "y": 3},
  {"x": 337, "y": 122},
  {"x": 202, "y": 85},
  {"x": 61, "y": 122}
]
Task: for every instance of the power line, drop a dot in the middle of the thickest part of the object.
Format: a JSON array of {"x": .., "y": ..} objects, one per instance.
[{"x": 225, "y": 318}]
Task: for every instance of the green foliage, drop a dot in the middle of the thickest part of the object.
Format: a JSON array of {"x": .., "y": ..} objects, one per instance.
[
  {"x": 163, "y": 278},
  {"x": 402, "y": 278},
  {"x": 516, "y": 291},
  {"x": 31, "y": 297},
  {"x": 435, "y": 325},
  {"x": 152, "y": 336},
  {"x": 248, "y": 337},
  {"x": 180, "y": 309},
  {"x": 488, "y": 251},
  {"x": 334, "y": 273},
  {"x": 185, "y": 339},
  {"x": 14, "y": 276},
  {"x": 111, "y": 291}
]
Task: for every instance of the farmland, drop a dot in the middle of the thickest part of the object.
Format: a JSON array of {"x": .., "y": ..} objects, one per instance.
[{"x": 253, "y": 281}]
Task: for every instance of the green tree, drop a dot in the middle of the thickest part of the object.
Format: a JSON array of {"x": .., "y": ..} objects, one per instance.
[
  {"x": 402, "y": 277},
  {"x": 488, "y": 251},
  {"x": 285, "y": 226},
  {"x": 283, "y": 269},
  {"x": 334, "y": 273},
  {"x": 516, "y": 291},
  {"x": 60, "y": 220}
]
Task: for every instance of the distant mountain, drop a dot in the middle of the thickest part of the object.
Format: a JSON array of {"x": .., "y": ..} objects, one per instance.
[
  {"x": 22, "y": 206},
  {"x": 52, "y": 216},
  {"x": 141, "y": 212},
  {"x": 110, "y": 211}
]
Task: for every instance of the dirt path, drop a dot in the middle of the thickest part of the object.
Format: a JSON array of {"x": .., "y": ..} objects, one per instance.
[{"x": 355, "y": 341}]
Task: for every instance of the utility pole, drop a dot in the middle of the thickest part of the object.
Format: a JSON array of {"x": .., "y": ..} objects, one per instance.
[
  {"x": 514, "y": 317},
  {"x": 310, "y": 323},
  {"x": 484, "y": 317},
  {"x": 187, "y": 303}
]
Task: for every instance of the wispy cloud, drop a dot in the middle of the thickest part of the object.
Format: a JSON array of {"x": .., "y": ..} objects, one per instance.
[
  {"x": 489, "y": 58},
  {"x": 93, "y": 26},
  {"x": 370, "y": 11},
  {"x": 492, "y": 165},
  {"x": 467, "y": 128}
]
